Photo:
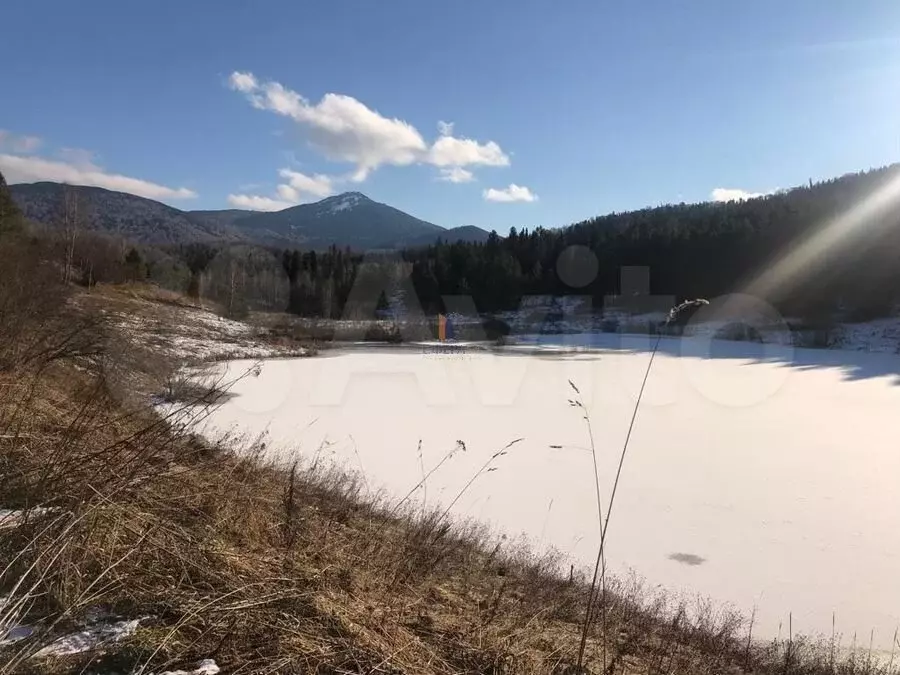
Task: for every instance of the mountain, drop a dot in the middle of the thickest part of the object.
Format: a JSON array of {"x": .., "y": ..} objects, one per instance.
[
  {"x": 349, "y": 219},
  {"x": 465, "y": 233},
  {"x": 218, "y": 219},
  {"x": 119, "y": 213}
]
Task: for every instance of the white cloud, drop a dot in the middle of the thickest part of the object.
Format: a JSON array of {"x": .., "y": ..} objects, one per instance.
[
  {"x": 298, "y": 188},
  {"x": 318, "y": 185},
  {"x": 288, "y": 194},
  {"x": 244, "y": 82},
  {"x": 344, "y": 129},
  {"x": 19, "y": 144},
  {"x": 24, "y": 169},
  {"x": 514, "y": 193},
  {"x": 456, "y": 175},
  {"x": 452, "y": 151},
  {"x": 359, "y": 175},
  {"x": 340, "y": 127},
  {"x": 734, "y": 195},
  {"x": 258, "y": 203}
]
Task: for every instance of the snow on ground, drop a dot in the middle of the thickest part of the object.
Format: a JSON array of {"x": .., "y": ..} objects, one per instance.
[
  {"x": 10, "y": 630},
  {"x": 881, "y": 335},
  {"x": 14, "y": 517},
  {"x": 200, "y": 335},
  {"x": 759, "y": 474},
  {"x": 206, "y": 667},
  {"x": 345, "y": 205},
  {"x": 99, "y": 631},
  {"x": 572, "y": 315},
  {"x": 92, "y": 637}
]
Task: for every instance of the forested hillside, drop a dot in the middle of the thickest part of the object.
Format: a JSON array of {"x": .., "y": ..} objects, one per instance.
[
  {"x": 349, "y": 219},
  {"x": 701, "y": 250},
  {"x": 118, "y": 213},
  {"x": 847, "y": 228},
  {"x": 691, "y": 250}
]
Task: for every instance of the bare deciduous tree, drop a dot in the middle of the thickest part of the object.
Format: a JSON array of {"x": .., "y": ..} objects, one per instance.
[{"x": 71, "y": 222}]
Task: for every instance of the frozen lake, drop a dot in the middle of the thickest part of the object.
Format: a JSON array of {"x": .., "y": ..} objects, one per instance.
[{"x": 773, "y": 471}]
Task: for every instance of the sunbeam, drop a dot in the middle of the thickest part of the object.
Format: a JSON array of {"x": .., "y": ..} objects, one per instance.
[{"x": 784, "y": 272}]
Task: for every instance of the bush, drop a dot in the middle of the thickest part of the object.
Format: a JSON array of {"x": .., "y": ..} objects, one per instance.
[
  {"x": 495, "y": 329},
  {"x": 814, "y": 338},
  {"x": 817, "y": 333},
  {"x": 738, "y": 332},
  {"x": 383, "y": 332},
  {"x": 38, "y": 325},
  {"x": 610, "y": 325}
]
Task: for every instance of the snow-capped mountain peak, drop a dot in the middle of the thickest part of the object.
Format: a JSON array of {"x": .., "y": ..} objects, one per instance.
[{"x": 343, "y": 202}]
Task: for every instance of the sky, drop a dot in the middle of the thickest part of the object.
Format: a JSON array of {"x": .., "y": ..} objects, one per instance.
[{"x": 505, "y": 113}]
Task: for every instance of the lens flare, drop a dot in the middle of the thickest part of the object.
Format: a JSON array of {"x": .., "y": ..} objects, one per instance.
[{"x": 784, "y": 272}]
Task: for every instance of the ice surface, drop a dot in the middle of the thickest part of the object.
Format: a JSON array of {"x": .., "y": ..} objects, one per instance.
[{"x": 759, "y": 475}]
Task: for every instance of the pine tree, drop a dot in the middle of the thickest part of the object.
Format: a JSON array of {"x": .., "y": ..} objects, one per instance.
[
  {"x": 198, "y": 256},
  {"x": 10, "y": 216},
  {"x": 134, "y": 265}
]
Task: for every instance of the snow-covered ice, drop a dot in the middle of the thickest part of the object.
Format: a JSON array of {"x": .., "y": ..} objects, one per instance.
[{"x": 759, "y": 474}]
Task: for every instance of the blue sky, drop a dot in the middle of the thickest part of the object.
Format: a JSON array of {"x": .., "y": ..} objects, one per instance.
[{"x": 584, "y": 107}]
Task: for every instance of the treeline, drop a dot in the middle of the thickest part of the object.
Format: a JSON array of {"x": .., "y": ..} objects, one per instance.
[
  {"x": 690, "y": 250},
  {"x": 86, "y": 256},
  {"x": 700, "y": 250}
]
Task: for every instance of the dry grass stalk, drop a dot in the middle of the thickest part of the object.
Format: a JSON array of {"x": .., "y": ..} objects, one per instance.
[{"x": 264, "y": 567}]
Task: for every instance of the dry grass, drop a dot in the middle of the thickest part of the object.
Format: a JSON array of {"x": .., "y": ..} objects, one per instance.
[{"x": 293, "y": 569}]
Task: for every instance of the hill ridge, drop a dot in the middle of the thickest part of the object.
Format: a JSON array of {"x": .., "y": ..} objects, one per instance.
[{"x": 347, "y": 219}]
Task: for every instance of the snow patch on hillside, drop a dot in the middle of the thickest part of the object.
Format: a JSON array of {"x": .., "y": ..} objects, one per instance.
[
  {"x": 345, "y": 202},
  {"x": 342, "y": 206},
  {"x": 199, "y": 335}
]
